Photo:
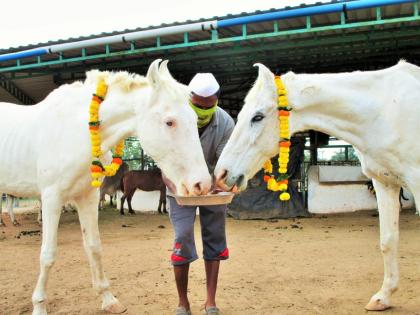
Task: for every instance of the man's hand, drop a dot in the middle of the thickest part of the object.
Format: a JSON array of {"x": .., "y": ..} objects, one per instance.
[{"x": 169, "y": 184}]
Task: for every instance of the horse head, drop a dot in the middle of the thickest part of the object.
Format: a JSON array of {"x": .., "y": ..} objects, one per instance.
[
  {"x": 167, "y": 129},
  {"x": 255, "y": 137}
]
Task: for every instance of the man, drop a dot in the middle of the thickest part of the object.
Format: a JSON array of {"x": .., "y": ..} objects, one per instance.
[{"x": 214, "y": 127}]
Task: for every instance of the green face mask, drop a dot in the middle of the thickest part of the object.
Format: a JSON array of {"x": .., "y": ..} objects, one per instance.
[{"x": 204, "y": 115}]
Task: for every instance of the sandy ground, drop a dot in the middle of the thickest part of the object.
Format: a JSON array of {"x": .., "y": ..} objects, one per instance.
[{"x": 321, "y": 265}]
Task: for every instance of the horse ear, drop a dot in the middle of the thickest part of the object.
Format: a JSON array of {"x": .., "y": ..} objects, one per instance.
[
  {"x": 153, "y": 73},
  {"x": 163, "y": 69},
  {"x": 265, "y": 76}
]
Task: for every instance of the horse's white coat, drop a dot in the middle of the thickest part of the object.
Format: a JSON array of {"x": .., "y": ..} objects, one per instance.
[
  {"x": 378, "y": 112},
  {"x": 46, "y": 152}
]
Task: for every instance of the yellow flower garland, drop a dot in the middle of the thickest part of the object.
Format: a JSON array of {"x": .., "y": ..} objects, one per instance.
[
  {"x": 282, "y": 182},
  {"x": 97, "y": 169}
]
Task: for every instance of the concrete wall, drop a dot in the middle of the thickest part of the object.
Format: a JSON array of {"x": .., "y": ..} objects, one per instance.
[{"x": 334, "y": 189}]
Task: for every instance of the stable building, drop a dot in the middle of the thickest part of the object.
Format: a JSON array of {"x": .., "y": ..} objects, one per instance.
[{"x": 329, "y": 37}]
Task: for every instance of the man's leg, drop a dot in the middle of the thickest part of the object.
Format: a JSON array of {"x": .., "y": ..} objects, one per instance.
[
  {"x": 184, "y": 252},
  {"x": 212, "y": 274},
  {"x": 181, "y": 278},
  {"x": 213, "y": 232}
]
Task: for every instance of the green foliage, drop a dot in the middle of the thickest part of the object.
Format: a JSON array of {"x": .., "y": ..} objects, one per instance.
[{"x": 133, "y": 155}]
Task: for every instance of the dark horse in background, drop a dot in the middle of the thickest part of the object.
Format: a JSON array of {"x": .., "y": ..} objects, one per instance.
[
  {"x": 149, "y": 180},
  {"x": 111, "y": 185}
]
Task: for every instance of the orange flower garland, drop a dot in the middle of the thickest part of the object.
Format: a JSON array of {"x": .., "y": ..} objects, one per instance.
[
  {"x": 97, "y": 169},
  {"x": 282, "y": 182}
]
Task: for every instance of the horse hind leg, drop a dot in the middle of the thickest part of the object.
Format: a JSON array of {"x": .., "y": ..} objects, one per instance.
[
  {"x": 88, "y": 215},
  {"x": 51, "y": 217},
  {"x": 1, "y": 216},
  {"x": 129, "y": 197},
  {"x": 115, "y": 199},
  {"x": 389, "y": 210},
  {"x": 110, "y": 200}
]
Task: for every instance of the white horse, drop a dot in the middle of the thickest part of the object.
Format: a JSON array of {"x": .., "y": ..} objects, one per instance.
[
  {"x": 9, "y": 205},
  {"x": 46, "y": 151},
  {"x": 378, "y": 112}
]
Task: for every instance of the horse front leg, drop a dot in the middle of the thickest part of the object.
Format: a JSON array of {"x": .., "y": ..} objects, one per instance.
[
  {"x": 129, "y": 197},
  {"x": 9, "y": 205},
  {"x": 388, "y": 206},
  {"x": 122, "y": 203},
  {"x": 101, "y": 200},
  {"x": 160, "y": 204},
  {"x": 88, "y": 216},
  {"x": 164, "y": 201},
  {"x": 52, "y": 211},
  {"x": 164, "y": 207}
]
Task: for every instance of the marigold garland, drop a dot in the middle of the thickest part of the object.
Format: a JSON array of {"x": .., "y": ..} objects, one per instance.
[
  {"x": 98, "y": 170},
  {"x": 282, "y": 181}
]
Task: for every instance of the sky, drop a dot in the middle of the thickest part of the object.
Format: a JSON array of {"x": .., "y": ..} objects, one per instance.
[{"x": 25, "y": 22}]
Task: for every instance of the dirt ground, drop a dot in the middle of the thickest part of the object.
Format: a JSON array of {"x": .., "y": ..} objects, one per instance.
[{"x": 320, "y": 265}]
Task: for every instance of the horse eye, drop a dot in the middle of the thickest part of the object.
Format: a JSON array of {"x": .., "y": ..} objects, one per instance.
[
  {"x": 170, "y": 123},
  {"x": 257, "y": 118}
]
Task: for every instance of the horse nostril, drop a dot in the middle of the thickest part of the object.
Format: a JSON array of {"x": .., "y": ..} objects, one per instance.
[
  {"x": 184, "y": 190},
  {"x": 240, "y": 180},
  {"x": 224, "y": 174},
  {"x": 198, "y": 187}
]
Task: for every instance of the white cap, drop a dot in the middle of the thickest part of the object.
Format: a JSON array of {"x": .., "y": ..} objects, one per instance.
[{"x": 204, "y": 84}]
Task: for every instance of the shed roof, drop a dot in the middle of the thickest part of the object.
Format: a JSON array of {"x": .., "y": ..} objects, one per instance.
[{"x": 361, "y": 39}]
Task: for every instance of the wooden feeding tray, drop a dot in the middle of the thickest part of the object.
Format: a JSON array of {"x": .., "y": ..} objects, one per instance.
[{"x": 220, "y": 198}]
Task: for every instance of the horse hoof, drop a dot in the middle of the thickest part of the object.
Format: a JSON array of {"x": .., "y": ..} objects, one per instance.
[
  {"x": 116, "y": 308},
  {"x": 376, "y": 305},
  {"x": 16, "y": 223},
  {"x": 132, "y": 212},
  {"x": 39, "y": 309}
]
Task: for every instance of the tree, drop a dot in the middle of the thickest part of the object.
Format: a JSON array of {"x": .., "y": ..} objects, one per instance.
[
  {"x": 341, "y": 155},
  {"x": 134, "y": 155}
]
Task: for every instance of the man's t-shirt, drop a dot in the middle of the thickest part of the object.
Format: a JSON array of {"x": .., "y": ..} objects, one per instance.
[{"x": 215, "y": 136}]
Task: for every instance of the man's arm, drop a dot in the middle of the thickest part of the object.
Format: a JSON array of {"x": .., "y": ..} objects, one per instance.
[{"x": 226, "y": 135}]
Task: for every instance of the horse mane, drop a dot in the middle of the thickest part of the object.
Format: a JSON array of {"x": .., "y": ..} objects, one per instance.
[
  {"x": 124, "y": 80},
  {"x": 253, "y": 91}
]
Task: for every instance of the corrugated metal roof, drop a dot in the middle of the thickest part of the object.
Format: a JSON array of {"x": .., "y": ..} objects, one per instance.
[
  {"x": 228, "y": 16},
  {"x": 231, "y": 62}
]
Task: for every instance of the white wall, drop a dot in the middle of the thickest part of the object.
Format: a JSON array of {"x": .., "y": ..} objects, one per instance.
[
  {"x": 142, "y": 201},
  {"x": 341, "y": 189}
]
